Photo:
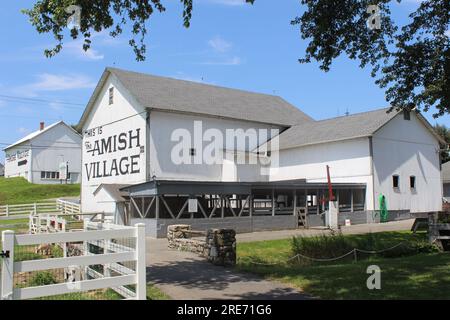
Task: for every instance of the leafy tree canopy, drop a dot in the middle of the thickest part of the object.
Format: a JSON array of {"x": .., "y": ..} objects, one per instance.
[
  {"x": 411, "y": 62},
  {"x": 444, "y": 132}
]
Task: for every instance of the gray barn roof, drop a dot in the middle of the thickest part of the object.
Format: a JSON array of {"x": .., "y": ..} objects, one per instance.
[
  {"x": 340, "y": 128},
  {"x": 175, "y": 95},
  {"x": 354, "y": 126}
]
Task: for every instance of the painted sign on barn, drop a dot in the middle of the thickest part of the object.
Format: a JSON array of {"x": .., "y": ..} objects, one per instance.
[{"x": 112, "y": 155}]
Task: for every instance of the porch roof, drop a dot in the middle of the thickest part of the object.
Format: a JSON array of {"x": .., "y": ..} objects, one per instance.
[{"x": 160, "y": 187}]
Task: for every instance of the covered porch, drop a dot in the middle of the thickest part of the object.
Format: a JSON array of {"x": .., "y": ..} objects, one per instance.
[{"x": 244, "y": 206}]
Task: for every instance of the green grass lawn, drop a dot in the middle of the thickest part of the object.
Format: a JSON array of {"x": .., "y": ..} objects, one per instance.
[
  {"x": 154, "y": 293},
  {"x": 19, "y": 190},
  {"x": 420, "y": 276},
  {"x": 17, "y": 225}
]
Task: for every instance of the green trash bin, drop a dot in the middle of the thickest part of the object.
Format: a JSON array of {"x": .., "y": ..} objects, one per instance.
[{"x": 383, "y": 209}]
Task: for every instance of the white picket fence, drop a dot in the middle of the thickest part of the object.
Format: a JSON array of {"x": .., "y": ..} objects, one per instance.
[
  {"x": 115, "y": 258},
  {"x": 24, "y": 210}
]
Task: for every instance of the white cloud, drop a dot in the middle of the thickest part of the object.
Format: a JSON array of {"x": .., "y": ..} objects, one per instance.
[
  {"x": 55, "y": 82},
  {"x": 23, "y": 130},
  {"x": 220, "y": 45},
  {"x": 75, "y": 49},
  {"x": 234, "y": 61}
]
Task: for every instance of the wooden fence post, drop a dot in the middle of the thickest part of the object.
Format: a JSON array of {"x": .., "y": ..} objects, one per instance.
[
  {"x": 7, "y": 271},
  {"x": 141, "y": 273},
  {"x": 7, "y": 210}
]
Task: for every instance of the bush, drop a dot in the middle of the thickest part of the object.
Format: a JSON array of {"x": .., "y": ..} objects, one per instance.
[
  {"x": 321, "y": 247},
  {"x": 43, "y": 278},
  {"x": 336, "y": 245}
]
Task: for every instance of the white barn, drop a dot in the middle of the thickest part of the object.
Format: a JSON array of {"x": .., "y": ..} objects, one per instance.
[
  {"x": 133, "y": 127},
  {"x": 39, "y": 156},
  {"x": 446, "y": 180}
]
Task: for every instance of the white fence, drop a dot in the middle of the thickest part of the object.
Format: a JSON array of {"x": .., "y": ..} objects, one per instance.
[
  {"x": 24, "y": 210},
  {"x": 118, "y": 262}
]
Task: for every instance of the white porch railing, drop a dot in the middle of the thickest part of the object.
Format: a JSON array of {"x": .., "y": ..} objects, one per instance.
[{"x": 118, "y": 250}]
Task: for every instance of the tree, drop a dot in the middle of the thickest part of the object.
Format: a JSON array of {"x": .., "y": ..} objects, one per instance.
[
  {"x": 411, "y": 63},
  {"x": 444, "y": 132}
]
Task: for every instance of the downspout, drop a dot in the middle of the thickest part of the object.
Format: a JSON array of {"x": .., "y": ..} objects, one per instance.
[
  {"x": 147, "y": 147},
  {"x": 30, "y": 170},
  {"x": 372, "y": 171}
]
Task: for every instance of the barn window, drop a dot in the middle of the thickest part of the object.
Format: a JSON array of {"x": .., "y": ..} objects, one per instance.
[
  {"x": 406, "y": 115},
  {"x": 42, "y": 174},
  {"x": 192, "y": 152},
  {"x": 396, "y": 181},
  {"x": 53, "y": 175},
  {"x": 412, "y": 182},
  {"x": 111, "y": 95},
  {"x": 48, "y": 175}
]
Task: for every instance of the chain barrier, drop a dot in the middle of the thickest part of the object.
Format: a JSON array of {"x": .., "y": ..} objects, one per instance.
[{"x": 353, "y": 251}]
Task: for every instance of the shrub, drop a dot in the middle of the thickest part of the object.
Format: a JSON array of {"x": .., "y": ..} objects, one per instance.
[
  {"x": 42, "y": 278},
  {"x": 336, "y": 245},
  {"x": 321, "y": 247}
]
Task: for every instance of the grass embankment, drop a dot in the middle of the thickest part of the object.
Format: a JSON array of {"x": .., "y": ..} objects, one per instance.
[
  {"x": 408, "y": 276},
  {"x": 19, "y": 190}
]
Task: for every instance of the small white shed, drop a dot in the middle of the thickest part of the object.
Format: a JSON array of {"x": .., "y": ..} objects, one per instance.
[{"x": 50, "y": 155}]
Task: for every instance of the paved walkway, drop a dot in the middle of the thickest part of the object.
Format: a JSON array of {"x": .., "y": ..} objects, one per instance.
[{"x": 183, "y": 275}]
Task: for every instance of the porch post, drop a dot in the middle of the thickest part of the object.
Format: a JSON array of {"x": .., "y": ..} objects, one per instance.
[
  {"x": 306, "y": 201},
  {"x": 318, "y": 201},
  {"x": 273, "y": 202},
  {"x": 295, "y": 202},
  {"x": 156, "y": 206},
  {"x": 351, "y": 200}
]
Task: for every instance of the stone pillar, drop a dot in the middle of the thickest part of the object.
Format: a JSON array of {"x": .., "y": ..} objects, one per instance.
[{"x": 221, "y": 246}]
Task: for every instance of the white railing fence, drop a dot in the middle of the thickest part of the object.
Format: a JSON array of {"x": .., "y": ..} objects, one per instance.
[
  {"x": 101, "y": 257},
  {"x": 24, "y": 210}
]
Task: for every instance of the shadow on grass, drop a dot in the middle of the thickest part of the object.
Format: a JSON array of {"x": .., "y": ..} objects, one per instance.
[{"x": 423, "y": 276}]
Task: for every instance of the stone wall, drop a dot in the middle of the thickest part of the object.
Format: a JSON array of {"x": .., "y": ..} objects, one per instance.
[{"x": 218, "y": 247}]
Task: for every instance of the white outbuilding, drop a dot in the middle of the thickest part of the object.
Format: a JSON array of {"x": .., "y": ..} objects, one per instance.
[
  {"x": 148, "y": 143},
  {"x": 50, "y": 155}
]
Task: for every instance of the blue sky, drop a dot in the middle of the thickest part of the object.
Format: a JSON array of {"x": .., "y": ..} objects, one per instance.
[{"x": 229, "y": 44}]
